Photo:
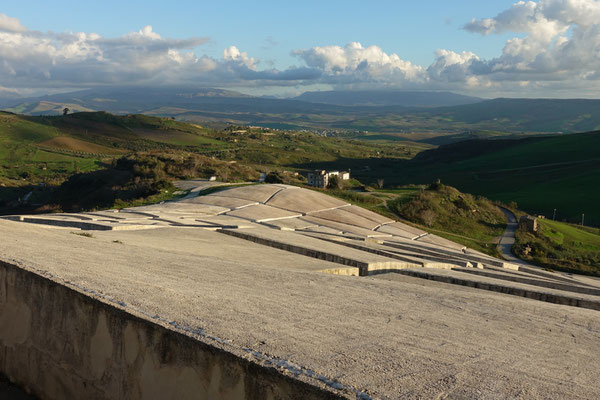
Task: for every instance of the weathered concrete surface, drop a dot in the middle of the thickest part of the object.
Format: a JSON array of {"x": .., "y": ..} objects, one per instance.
[
  {"x": 386, "y": 336},
  {"x": 221, "y": 201},
  {"x": 391, "y": 337},
  {"x": 498, "y": 284},
  {"x": 315, "y": 248},
  {"x": 61, "y": 344},
  {"x": 402, "y": 230},
  {"x": 305, "y": 202},
  {"x": 340, "y": 227},
  {"x": 535, "y": 281},
  {"x": 347, "y": 216},
  {"x": 258, "y": 193},
  {"x": 182, "y": 207},
  {"x": 262, "y": 212},
  {"x": 440, "y": 241},
  {"x": 10, "y": 391},
  {"x": 291, "y": 224}
]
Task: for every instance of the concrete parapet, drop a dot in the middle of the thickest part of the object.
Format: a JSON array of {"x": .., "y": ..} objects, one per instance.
[
  {"x": 568, "y": 287},
  {"x": 333, "y": 252},
  {"x": 515, "y": 290},
  {"x": 58, "y": 343},
  {"x": 446, "y": 252}
]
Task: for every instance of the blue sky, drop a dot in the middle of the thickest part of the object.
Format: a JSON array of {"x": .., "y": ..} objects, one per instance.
[
  {"x": 269, "y": 30},
  {"x": 487, "y": 48}
]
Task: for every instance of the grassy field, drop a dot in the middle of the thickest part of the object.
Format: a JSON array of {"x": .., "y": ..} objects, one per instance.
[
  {"x": 45, "y": 151},
  {"x": 78, "y": 146},
  {"x": 561, "y": 246},
  {"x": 461, "y": 217},
  {"x": 540, "y": 174}
]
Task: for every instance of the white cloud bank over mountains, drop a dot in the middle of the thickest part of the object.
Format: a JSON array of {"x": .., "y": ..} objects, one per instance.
[{"x": 555, "y": 52}]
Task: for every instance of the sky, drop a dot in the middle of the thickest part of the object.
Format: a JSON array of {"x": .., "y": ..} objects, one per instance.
[{"x": 492, "y": 48}]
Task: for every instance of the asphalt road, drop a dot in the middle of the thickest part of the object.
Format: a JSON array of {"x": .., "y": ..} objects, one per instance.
[{"x": 508, "y": 238}]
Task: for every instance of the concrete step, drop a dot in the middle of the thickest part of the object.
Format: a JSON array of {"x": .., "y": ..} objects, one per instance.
[
  {"x": 513, "y": 288},
  {"x": 316, "y": 248}
]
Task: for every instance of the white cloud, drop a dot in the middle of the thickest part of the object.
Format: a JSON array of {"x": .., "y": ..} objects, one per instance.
[
  {"x": 30, "y": 59},
  {"x": 232, "y": 53},
  {"x": 556, "y": 47},
  {"x": 354, "y": 61},
  {"x": 561, "y": 42},
  {"x": 9, "y": 24}
]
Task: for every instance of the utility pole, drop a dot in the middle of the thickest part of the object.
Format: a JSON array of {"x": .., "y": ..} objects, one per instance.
[{"x": 554, "y": 215}]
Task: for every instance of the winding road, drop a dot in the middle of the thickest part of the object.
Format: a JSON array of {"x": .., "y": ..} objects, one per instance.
[{"x": 507, "y": 240}]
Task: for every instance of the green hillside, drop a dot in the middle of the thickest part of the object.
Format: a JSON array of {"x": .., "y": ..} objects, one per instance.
[
  {"x": 540, "y": 174},
  {"x": 44, "y": 151},
  {"x": 561, "y": 246}
]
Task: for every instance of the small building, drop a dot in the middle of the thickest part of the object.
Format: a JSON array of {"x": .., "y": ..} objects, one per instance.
[
  {"x": 528, "y": 223},
  {"x": 320, "y": 177}
]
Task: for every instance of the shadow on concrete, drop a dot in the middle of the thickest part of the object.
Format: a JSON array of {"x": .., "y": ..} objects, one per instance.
[{"x": 9, "y": 391}]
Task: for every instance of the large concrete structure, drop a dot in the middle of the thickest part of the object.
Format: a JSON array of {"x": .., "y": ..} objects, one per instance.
[{"x": 275, "y": 292}]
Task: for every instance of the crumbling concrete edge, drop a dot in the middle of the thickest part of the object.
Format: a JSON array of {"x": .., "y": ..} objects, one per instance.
[{"x": 263, "y": 376}]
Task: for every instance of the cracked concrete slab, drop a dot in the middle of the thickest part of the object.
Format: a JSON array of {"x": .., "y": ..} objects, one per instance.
[
  {"x": 221, "y": 201},
  {"x": 262, "y": 213},
  {"x": 258, "y": 193},
  {"x": 308, "y": 201},
  {"x": 347, "y": 216},
  {"x": 390, "y": 336}
]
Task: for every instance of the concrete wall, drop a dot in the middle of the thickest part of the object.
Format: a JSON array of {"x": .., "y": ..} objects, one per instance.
[{"x": 58, "y": 343}]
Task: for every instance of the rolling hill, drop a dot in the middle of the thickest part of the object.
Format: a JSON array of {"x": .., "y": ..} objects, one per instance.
[
  {"x": 387, "y": 98},
  {"x": 541, "y": 174},
  {"x": 49, "y": 149},
  {"x": 342, "y": 113}
]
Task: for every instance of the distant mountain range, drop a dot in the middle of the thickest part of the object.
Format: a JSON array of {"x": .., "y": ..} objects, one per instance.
[
  {"x": 387, "y": 98},
  {"x": 384, "y": 111},
  {"x": 8, "y": 97}
]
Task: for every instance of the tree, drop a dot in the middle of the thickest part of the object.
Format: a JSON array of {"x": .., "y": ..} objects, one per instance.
[
  {"x": 273, "y": 177},
  {"x": 334, "y": 182},
  {"x": 428, "y": 217},
  {"x": 437, "y": 185},
  {"x": 66, "y": 111}
]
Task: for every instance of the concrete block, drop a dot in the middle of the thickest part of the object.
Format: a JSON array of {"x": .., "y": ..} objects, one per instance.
[
  {"x": 220, "y": 201},
  {"x": 262, "y": 213},
  {"x": 401, "y": 229},
  {"x": 304, "y": 201},
  {"x": 257, "y": 193},
  {"x": 348, "y": 216}
]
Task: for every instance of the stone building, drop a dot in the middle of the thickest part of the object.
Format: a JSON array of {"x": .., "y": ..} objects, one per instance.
[
  {"x": 528, "y": 223},
  {"x": 320, "y": 177}
]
